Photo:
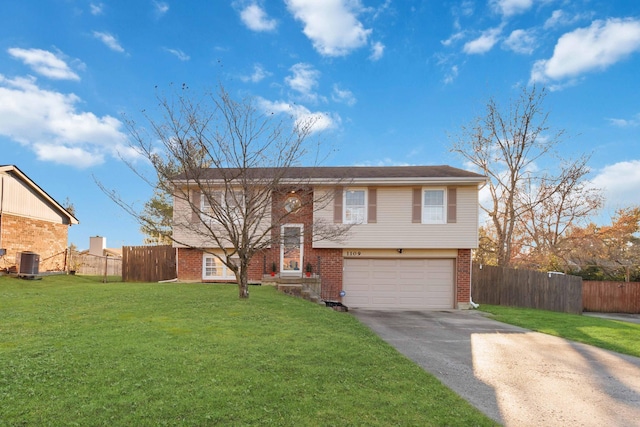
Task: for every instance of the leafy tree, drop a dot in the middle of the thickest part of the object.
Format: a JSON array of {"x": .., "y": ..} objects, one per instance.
[
  {"x": 529, "y": 208},
  {"x": 610, "y": 252},
  {"x": 157, "y": 218},
  {"x": 225, "y": 162}
]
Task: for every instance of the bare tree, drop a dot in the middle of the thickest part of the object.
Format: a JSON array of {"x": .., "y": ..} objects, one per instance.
[
  {"x": 550, "y": 209},
  {"x": 528, "y": 206},
  {"x": 229, "y": 205}
]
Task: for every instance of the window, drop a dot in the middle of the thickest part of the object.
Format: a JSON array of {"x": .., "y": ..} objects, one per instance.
[
  {"x": 434, "y": 206},
  {"x": 213, "y": 268},
  {"x": 225, "y": 207},
  {"x": 355, "y": 206}
]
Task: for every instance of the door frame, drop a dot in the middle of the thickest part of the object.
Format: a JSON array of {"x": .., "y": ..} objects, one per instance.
[{"x": 298, "y": 272}]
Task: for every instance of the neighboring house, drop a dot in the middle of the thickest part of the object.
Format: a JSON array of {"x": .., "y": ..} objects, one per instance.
[
  {"x": 410, "y": 247},
  {"x": 31, "y": 221}
]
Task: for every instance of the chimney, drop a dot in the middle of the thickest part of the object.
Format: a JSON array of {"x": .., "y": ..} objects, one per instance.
[{"x": 97, "y": 245}]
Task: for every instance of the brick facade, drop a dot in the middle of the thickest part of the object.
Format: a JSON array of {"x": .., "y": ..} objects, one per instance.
[
  {"x": 325, "y": 262},
  {"x": 463, "y": 278},
  {"x": 21, "y": 234}
]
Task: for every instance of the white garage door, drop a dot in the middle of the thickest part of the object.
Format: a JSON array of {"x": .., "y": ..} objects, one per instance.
[{"x": 399, "y": 283}]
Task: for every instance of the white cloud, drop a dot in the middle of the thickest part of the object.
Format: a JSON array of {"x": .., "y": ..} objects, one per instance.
[
  {"x": 509, "y": 8},
  {"x": 454, "y": 37},
  {"x": 44, "y": 63},
  {"x": 560, "y": 18},
  {"x": 596, "y": 47},
  {"x": 304, "y": 80},
  {"x": 48, "y": 123},
  {"x": 620, "y": 183},
  {"x": 451, "y": 75},
  {"x": 178, "y": 54},
  {"x": 110, "y": 41},
  {"x": 96, "y": 8},
  {"x": 72, "y": 156},
  {"x": 256, "y": 19},
  {"x": 484, "y": 43},
  {"x": 161, "y": 7},
  {"x": 259, "y": 74},
  {"x": 521, "y": 41},
  {"x": 626, "y": 123},
  {"x": 343, "y": 96},
  {"x": 331, "y": 25},
  {"x": 377, "y": 50},
  {"x": 302, "y": 116}
]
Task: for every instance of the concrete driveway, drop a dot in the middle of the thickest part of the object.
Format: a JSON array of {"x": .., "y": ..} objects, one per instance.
[{"x": 513, "y": 375}]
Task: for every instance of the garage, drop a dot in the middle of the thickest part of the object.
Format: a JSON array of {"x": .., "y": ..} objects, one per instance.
[{"x": 424, "y": 284}]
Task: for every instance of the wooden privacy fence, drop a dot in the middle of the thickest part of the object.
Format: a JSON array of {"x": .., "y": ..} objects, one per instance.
[
  {"x": 526, "y": 288},
  {"x": 96, "y": 265},
  {"x": 148, "y": 263},
  {"x": 611, "y": 297}
]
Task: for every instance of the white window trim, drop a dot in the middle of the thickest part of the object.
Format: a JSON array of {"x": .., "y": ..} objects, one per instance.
[
  {"x": 344, "y": 205},
  {"x": 444, "y": 205},
  {"x": 223, "y": 205},
  {"x": 289, "y": 272},
  {"x": 227, "y": 274}
]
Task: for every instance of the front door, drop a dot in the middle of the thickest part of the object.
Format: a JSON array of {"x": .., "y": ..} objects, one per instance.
[{"x": 291, "y": 250}]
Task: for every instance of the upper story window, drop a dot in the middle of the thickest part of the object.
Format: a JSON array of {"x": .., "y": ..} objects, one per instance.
[
  {"x": 434, "y": 206},
  {"x": 355, "y": 206},
  {"x": 225, "y": 208}
]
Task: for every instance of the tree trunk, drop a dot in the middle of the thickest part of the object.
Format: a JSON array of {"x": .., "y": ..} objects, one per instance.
[
  {"x": 243, "y": 280},
  {"x": 243, "y": 290}
]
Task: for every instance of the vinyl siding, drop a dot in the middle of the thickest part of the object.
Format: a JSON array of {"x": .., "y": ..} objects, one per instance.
[
  {"x": 21, "y": 200},
  {"x": 394, "y": 227},
  {"x": 188, "y": 229}
]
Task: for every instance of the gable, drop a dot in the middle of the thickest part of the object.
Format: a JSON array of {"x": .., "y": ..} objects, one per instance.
[{"x": 21, "y": 196}]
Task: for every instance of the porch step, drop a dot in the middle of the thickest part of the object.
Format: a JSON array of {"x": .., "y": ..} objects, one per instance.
[
  {"x": 300, "y": 291},
  {"x": 294, "y": 289}
]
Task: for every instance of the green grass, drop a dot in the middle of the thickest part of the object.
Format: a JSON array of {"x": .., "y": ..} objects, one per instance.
[
  {"x": 622, "y": 337},
  {"x": 74, "y": 351}
]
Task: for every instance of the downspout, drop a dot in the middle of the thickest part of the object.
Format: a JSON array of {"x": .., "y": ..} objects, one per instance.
[
  {"x": 473, "y": 304},
  {"x": 1, "y": 205}
]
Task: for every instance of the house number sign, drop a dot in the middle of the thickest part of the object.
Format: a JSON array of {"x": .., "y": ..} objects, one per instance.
[{"x": 354, "y": 253}]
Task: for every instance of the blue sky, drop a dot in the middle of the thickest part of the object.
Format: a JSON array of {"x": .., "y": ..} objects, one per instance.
[{"x": 389, "y": 79}]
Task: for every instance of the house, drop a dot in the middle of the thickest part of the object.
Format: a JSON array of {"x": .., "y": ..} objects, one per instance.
[
  {"x": 31, "y": 221},
  {"x": 412, "y": 230}
]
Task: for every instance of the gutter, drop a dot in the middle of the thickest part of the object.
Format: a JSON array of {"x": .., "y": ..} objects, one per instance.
[{"x": 1, "y": 205}]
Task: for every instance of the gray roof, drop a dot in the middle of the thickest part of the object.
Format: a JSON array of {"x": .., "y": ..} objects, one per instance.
[{"x": 353, "y": 173}]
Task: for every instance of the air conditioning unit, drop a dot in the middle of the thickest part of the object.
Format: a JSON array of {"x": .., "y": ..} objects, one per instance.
[{"x": 29, "y": 263}]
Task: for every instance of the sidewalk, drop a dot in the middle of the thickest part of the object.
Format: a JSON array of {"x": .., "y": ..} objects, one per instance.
[{"x": 623, "y": 317}]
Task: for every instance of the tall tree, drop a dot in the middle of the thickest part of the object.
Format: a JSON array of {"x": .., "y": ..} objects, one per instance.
[
  {"x": 226, "y": 208},
  {"x": 157, "y": 218},
  {"x": 528, "y": 206}
]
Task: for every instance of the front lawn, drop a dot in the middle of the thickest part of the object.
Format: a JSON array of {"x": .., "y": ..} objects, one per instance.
[
  {"x": 74, "y": 351},
  {"x": 613, "y": 335}
]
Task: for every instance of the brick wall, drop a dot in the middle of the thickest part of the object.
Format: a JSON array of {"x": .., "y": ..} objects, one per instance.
[
  {"x": 328, "y": 262},
  {"x": 21, "y": 234},
  {"x": 463, "y": 276},
  {"x": 189, "y": 264}
]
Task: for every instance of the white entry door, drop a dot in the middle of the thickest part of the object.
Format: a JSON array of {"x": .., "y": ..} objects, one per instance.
[{"x": 291, "y": 248}]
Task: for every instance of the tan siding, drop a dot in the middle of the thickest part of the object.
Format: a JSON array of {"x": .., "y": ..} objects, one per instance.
[
  {"x": 189, "y": 231},
  {"x": 19, "y": 199},
  {"x": 395, "y": 229}
]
